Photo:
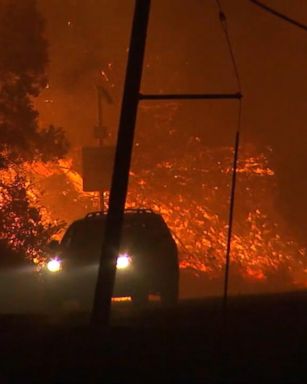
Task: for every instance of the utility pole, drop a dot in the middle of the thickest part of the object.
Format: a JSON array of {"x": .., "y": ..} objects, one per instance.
[
  {"x": 118, "y": 193},
  {"x": 100, "y": 137},
  {"x": 230, "y": 221},
  {"x": 100, "y": 134},
  {"x": 111, "y": 243}
]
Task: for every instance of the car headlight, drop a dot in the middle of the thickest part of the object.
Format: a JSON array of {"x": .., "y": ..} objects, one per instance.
[
  {"x": 54, "y": 265},
  {"x": 123, "y": 261}
]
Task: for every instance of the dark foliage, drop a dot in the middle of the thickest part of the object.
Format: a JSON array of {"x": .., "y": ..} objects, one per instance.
[
  {"x": 22, "y": 226},
  {"x": 23, "y": 60}
]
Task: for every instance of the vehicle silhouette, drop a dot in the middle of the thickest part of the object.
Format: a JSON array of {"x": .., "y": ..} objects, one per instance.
[{"x": 147, "y": 263}]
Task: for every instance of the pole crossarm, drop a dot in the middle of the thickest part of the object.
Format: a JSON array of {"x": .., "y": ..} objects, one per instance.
[{"x": 191, "y": 96}]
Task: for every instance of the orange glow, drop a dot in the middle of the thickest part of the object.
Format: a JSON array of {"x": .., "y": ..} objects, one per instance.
[
  {"x": 196, "y": 213},
  {"x": 121, "y": 299},
  {"x": 254, "y": 274}
]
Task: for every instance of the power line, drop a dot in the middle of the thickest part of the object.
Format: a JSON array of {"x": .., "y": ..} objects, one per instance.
[
  {"x": 279, "y": 14},
  {"x": 223, "y": 21}
]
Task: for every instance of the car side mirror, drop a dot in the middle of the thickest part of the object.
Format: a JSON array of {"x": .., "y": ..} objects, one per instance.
[{"x": 53, "y": 245}]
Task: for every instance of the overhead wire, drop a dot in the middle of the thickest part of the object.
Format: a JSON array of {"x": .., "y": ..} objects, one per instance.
[
  {"x": 224, "y": 25},
  {"x": 278, "y": 14}
]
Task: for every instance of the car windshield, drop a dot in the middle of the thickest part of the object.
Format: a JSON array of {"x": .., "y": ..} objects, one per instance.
[
  {"x": 88, "y": 234},
  {"x": 83, "y": 235}
]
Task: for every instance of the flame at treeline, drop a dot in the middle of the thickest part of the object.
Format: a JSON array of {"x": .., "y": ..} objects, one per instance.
[{"x": 192, "y": 194}]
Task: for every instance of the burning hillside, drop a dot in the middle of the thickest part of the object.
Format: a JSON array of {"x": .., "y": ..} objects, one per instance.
[{"x": 192, "y": 193}]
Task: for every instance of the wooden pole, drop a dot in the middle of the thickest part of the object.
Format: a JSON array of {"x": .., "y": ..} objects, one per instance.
[
  {"x": 118, "y": 193},
  {"x": 230, "y": 221}
]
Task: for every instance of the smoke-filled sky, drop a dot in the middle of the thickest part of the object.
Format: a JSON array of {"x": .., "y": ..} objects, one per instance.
[{"x": 187, "y": 52}]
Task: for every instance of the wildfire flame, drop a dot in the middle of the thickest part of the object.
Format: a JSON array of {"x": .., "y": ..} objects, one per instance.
[{"x": 194, "y": 201}]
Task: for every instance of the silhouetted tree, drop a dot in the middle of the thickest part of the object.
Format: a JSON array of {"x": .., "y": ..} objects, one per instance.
[
  {"x": 23, "y": 61},
  {"x": 23, "y": 230}
]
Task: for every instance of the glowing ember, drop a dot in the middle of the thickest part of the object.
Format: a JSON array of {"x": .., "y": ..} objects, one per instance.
[{"x": 194, "y": 201}]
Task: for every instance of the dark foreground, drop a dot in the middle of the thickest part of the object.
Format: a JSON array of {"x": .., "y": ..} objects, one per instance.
[{"x": 264, "y": 340}]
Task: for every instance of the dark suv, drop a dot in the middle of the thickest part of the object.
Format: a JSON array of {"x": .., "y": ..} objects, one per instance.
[{"x": 147, "y": 262}]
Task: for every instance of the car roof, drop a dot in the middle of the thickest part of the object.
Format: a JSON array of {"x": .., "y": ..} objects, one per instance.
[
  {"x": 137, "y": 216},
  {"x": 127, "y": 212}
]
